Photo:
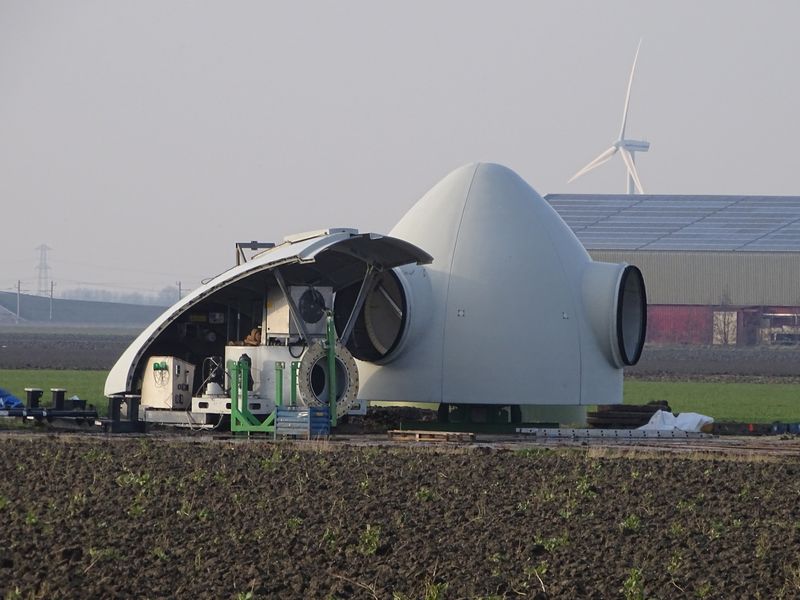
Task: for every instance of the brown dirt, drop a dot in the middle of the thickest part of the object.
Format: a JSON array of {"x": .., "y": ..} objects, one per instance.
[
  {"x": 120, "y": 518},
  {"x": 704, "y": 362},
  {"x": 80, "y": 349},
  {"x": 62, "y": 350}
]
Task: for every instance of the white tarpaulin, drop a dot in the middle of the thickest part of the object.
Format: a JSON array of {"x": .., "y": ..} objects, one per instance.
[{"x": 665, "y": 421}]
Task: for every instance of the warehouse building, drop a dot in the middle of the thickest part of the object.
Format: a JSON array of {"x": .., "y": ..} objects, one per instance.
[{"x": 719, "y": 269}]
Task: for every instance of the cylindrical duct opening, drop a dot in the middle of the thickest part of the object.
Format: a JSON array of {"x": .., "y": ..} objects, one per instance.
[
  {"x": 313, "y": 380},
  {"x": 381, "y": 323},
  {"x": 631, "y": 315}
]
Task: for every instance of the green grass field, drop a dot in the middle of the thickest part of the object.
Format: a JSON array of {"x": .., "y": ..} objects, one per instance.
[
  {"x": 87, "y": 385},
  {"x": 743, "y": 402}
]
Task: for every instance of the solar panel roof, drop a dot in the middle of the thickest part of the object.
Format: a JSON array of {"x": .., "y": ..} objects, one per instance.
[{"x": 713, "y": 223}]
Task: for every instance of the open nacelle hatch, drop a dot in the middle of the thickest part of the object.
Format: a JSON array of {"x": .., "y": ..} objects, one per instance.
[
  {"x": 380, "y": 324},
  {"x": 342, "y": 260}
]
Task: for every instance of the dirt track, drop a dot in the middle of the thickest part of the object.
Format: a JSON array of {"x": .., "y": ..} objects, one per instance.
[{"x": 90, "y": 518}]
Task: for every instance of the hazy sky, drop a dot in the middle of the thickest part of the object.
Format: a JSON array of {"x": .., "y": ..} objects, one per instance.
[{"x": 141, "y": 139}]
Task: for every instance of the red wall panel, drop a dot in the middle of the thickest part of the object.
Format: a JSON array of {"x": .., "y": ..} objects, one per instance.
[{"x": 679, "y": 324}]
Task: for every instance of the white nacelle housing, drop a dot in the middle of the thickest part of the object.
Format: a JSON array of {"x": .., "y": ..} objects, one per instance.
[
  {"x": 482, "y": 295},
  {"x": 512, "y": 310}
]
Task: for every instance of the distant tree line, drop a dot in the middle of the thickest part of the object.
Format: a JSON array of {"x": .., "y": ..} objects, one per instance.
[{"x": 166, "y": 297}]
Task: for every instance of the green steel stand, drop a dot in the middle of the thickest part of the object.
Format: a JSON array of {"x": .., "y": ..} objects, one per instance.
[
  {"x": 242, "y": 420},
  {"x": 332, "y": 368},
  {"x": 294, "y": 366}
]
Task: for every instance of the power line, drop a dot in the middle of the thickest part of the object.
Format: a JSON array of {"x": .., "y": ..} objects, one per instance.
[{"x": 43, "y": 268}]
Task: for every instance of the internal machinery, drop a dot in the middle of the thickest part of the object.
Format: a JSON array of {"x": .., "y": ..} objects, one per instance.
[{"x": 295, "y": 329}]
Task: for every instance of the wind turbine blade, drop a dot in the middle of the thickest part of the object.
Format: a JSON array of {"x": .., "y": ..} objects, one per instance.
[
  {"x": 604, "y": 157},
  {"x": 628, "y": 93},
  {"x": 626, "y": 156}
]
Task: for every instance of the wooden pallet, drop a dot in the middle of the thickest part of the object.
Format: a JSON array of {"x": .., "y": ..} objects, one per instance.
[{"x": 407, "y": 435}]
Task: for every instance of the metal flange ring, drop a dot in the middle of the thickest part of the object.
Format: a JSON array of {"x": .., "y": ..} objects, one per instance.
[{"x": 312, "y": 377}]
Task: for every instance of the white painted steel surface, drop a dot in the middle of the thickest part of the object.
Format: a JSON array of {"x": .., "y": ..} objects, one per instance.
[{"x": 511, "y": 311}]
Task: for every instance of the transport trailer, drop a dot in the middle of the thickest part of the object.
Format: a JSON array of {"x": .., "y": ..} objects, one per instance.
[{"x": 65, "y": 409}]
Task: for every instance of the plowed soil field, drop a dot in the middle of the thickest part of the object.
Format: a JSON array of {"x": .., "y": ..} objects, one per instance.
[
  {"x": 99, "y": 349},
  {"x": 96, "y": 517}
]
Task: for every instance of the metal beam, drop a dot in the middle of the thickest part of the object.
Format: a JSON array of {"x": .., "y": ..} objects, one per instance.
[{"x": 369, "y": 277}]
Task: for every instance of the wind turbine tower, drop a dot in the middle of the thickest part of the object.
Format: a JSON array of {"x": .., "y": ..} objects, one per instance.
[
  {"x": 627, "y": 148},
  {"x": 43, "y": 269}
]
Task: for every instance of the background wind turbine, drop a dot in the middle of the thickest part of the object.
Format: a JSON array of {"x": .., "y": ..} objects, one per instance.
[{"x": 626, "y": 148}]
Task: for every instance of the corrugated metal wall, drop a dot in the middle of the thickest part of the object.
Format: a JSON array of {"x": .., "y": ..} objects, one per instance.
[
  {"x": 715, "y": 278},
  {"x": 679, "y": 324}
]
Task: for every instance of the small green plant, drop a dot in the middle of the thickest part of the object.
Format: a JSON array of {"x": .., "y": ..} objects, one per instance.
[
  {"x": 630, "y": 524},
  {"x": 532, "y": 452},
  {"x": 676, "y": 529},
  {"x": 245, "y": 595},
  {"x": 160, "y": 553},
  {"x": 762, "y": 546},
  {"x": 294, "y": 522},
  {"x": 714, "y": 531},
  {"x": 496, "y": 560},
  {"x": 370, "y": 540},
  {"x": 329, "y": 538},
  {"x": 435, "y": 591},
  {"x": 363, "y": 486},
  {"x": 703, "y": 590},
  {"x": 675, "y": 564},
  {"x": 270, "y": 463},
  {"x": 15, "y": 594},
  {"x": 424, "y": 494},
  {"x": 135, "y": 510},
  {"x": 101, "y": 554},
  {"x": 31, "y": 518},
  {"x": 552, "y": 543},
  {"x": 96, "y": 455},
  {"x": 185, "y": 510},
  {"x": 633, "y": 586},
  {"x": 203, "y": 514},
  {"x": 3, "y": 502},
  {"x": 585, "y": 487},
  {"x": 538, "y": 571},
  {"x": 131, "y": 479},
  {"x": 523, "y": 506},
  {"x": 686, "y": 506}
]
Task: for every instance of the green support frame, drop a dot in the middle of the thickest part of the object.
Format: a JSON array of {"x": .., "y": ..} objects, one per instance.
[
  {"x": 332, "y": 368},
  {"x": 242, "y": 420}
]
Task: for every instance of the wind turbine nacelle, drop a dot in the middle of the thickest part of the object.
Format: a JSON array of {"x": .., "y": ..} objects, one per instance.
[
  {"x": 481, "y": 295},
  {"x": 634, "y": 145},
  {"x": 512, "y": 310}
]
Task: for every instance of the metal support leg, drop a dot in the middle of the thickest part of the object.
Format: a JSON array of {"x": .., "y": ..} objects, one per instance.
[
  {"x": 294, "y": 366},
  {"x": 332, "y": 368},
  {"x": 279, "y": 365}
]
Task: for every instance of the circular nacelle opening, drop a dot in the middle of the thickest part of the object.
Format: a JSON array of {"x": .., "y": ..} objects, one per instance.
[
  {"x": 318, "y": 379},
  {"x": 312, "y": 377},
  {"x": 380, "y": 324},
  {"x": 631, "y": 315}
]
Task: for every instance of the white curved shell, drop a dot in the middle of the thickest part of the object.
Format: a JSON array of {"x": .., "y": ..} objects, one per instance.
[{"x": 504, "y": 305}]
